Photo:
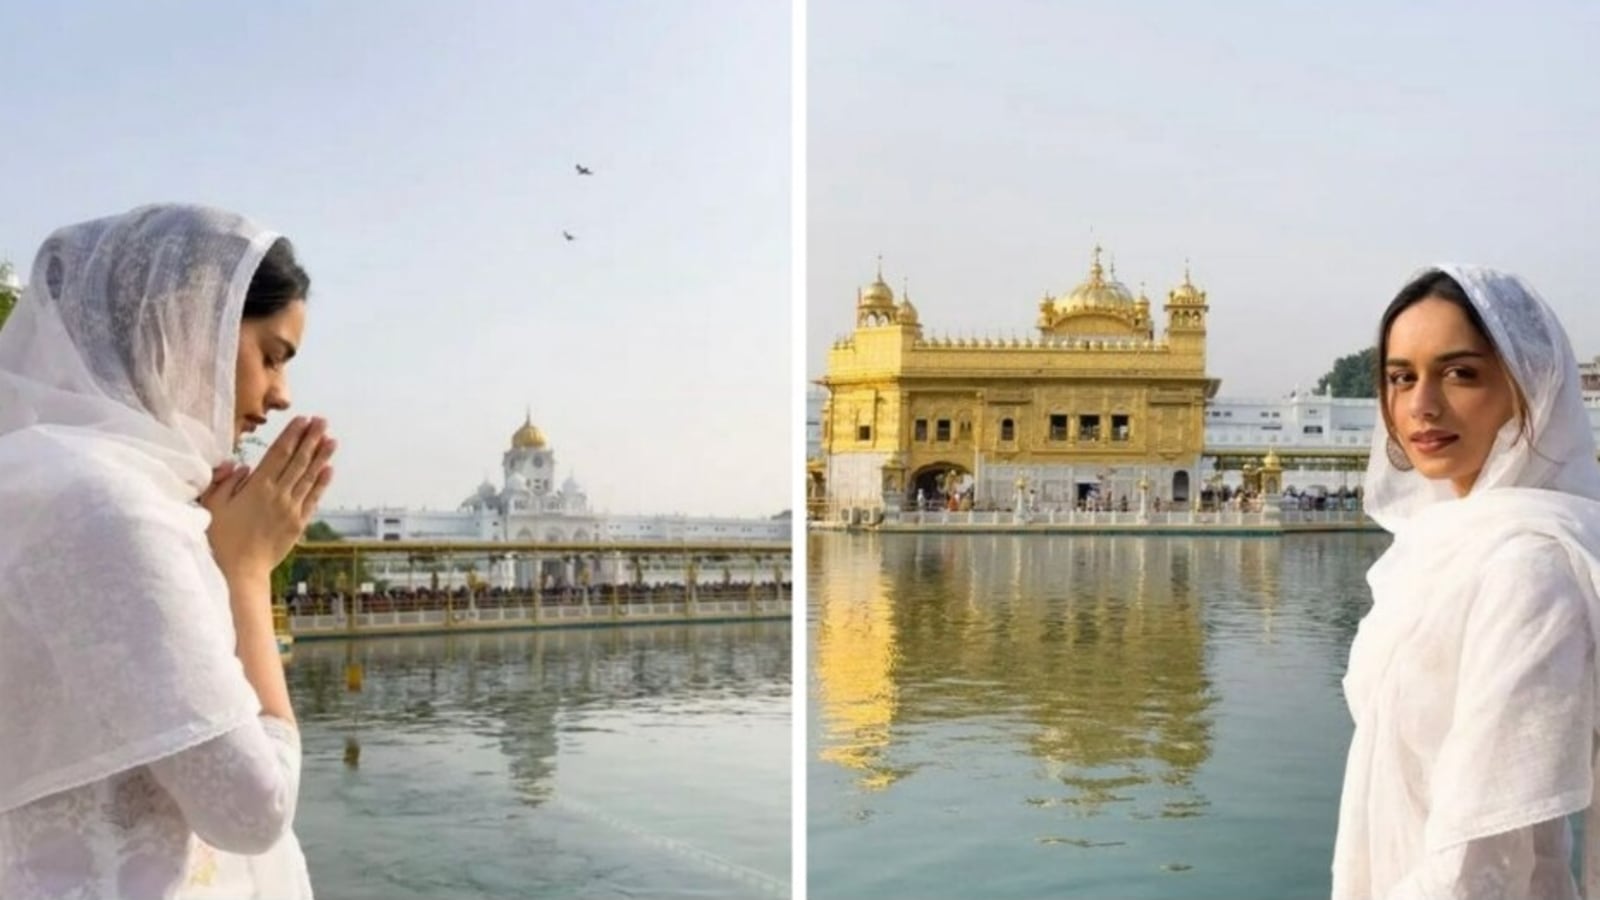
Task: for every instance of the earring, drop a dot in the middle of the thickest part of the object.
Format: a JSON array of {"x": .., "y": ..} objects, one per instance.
[{"x": 1397, "y": 455}]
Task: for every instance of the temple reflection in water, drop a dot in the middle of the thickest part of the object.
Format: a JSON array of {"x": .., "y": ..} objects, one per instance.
[{"x": 1088, "y": 653}]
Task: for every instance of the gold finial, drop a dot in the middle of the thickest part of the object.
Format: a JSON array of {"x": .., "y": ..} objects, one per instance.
[
  {"x": 905, "y": 287},
  {"x": 1186, "y": 272},
  {"x": 1113, "y": 267},
  {"x": 880, "y": 266},
  {"x": 1095, "y": 272},
  {"x": 528, "y": 418}
]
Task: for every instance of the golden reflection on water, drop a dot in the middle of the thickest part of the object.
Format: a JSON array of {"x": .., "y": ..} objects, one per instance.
[
  {"x": 1087, "y": 651},
  {"x": 855, "y": 648}
]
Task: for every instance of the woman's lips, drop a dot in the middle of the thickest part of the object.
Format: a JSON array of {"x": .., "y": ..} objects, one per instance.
[{"x": 1433, "y": 442}]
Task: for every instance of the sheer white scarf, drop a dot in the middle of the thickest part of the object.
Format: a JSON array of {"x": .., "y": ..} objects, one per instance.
[
  {"x": 116, "y": 402},
  {"x": 1498, "y": 772}
]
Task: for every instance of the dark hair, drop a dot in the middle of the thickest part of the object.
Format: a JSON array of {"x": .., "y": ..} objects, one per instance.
[
  {"x": 278, "y": 281},
  {"x": 1440, "y": 286}
]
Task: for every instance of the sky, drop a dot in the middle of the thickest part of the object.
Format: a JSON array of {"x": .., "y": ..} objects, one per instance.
[
  {"x": 1306, "y": 159},
  {"x": 421, "y": 156}
]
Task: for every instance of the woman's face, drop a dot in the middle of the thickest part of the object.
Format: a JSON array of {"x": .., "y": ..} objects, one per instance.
[
  {"x": 265, "y": 347},
  {"x": 1446, "y": 391}
]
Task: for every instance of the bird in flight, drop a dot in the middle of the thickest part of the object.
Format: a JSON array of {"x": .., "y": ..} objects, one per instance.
[
  {"x": 568, "y": 235},
  {"x": 583, "y": 170}
]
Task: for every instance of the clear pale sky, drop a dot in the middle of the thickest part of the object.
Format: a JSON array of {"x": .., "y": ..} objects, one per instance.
[
  {"x": 1307, "y": 158},
  {"x": 421, "y": 157}
]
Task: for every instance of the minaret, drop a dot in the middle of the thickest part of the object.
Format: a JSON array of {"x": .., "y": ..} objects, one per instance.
[
  {"x": 1186, "y": 317},
  {"x": 875, "y": 305}
]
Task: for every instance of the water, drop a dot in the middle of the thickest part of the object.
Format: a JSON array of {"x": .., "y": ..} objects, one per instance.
[
  {"x": 1078, "y": 716},
  {"x": 649, "y": 761}
]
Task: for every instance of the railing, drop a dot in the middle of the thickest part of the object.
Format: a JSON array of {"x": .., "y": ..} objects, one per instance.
[
  {"x": 1221, "y": 518},
  {"x": 357, "y": 587},
  {"x": 359, "y": 615}
]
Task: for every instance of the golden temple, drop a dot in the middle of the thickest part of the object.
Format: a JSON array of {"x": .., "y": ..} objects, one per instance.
[{"x": 1084, "y": 412}]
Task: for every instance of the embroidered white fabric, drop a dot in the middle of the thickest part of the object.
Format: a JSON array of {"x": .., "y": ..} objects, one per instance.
[
  {"x": 154, "y": 831},
  {"x": 1472, "y": 680},
  {"x": 116, "y": 401}
]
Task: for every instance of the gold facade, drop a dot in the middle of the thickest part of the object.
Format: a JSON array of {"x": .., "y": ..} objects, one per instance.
[{"x": 1096, "y": 390}]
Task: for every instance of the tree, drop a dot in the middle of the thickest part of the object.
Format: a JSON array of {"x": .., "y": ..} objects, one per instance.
[
  {"x": 1352, "y": 376},
  {"x": 322, "y": 531},
  {"x": 8, "y": 293},
  {"x": 326, "y": 572}
]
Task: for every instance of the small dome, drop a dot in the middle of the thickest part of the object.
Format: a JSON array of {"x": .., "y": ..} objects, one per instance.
[
  {"x": 877, "y": 295},
  {"x": 486, "y": 490},
  {"x": 1187, "y": 293},
  {"x": 906, "y": 314}
]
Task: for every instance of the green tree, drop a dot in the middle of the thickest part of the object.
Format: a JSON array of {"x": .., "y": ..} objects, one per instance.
[
  {"x": 322, "y": 531},
  {"x": 8, "y": 294},
  {"x": 1352, "y": 376},
  {"x": 317, "y": 571}
]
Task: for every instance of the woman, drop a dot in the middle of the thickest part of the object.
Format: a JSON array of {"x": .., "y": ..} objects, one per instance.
[
  {"x": 147, "y": 744},
  {"x": 1472, "y": 679}
]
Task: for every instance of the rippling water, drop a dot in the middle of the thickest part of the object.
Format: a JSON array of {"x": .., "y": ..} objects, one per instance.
[
  {"x": 648, "y": 761},
  {"x": 1078, "y": 716}
]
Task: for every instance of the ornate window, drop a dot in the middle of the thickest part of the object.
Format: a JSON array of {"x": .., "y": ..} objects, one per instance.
[{"x": 1058, "y": 426}]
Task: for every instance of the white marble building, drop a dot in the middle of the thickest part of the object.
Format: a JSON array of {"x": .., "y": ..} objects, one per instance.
[
  {"x": 528, "y": 506},
  {"x": 1301, "y": 421}
]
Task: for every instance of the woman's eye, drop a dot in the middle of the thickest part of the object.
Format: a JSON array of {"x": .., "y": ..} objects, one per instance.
[{"x": 1398, "y": 378}]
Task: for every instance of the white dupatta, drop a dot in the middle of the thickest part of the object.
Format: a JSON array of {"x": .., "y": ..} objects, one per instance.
[
  {"x": 1469, "y": 599},
  {"x": 116, "y": 402}
]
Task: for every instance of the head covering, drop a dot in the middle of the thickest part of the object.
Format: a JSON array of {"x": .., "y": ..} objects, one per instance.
[
  {"x": 1461, "y": 675},
  {"x": 116, "y": 400},
  {"x": 1535, "y": 350}
]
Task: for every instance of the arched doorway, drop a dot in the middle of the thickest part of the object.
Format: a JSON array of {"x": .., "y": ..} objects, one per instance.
[
  {"x": 1180, "y": 487},
  {"x": 940, "y": 486}
]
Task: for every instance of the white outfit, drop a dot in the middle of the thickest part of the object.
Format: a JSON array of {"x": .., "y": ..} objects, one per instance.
[
  {"x": 141, "y": 832},
  {"x": 1472, "y": 680},
  {"x": 127, "y": 727}
]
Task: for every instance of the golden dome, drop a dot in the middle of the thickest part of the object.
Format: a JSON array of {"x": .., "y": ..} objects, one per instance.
[
  {"x": 877, "y": 294},
  {"x": 905, "y": 313},
  {"x": 1272, "y": 461},
  {"x": 1187, "y": 292},
  {"x": 528, "y": 437},
  {"x": 1099, "y": 292}
]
